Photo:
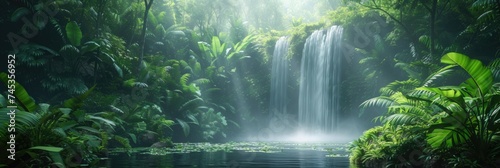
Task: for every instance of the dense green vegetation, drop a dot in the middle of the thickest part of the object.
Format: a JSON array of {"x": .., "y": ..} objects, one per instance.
[{"x": 94, "y": 75}]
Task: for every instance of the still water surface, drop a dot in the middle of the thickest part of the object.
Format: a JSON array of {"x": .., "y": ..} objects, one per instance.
[{"x": 285, "y": 158}]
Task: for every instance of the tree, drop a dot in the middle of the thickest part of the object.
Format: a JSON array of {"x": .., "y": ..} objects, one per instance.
[{"x": 143, "y": 32}]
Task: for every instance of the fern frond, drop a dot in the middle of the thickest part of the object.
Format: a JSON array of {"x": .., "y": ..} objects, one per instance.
[
  {"x": 201, "y": 81},
  {"x": 367, "y": 60},
  {"x": 184, "y": 79},
  {"x": 123, "y": 141},
  {"x": 399, "y": 86},
  {"x": 439, "y": 74},
  {"x": 191, "y": 104},
  {"x": 495, "y": 68},
  {"x": 381, "y": 101},
  {"x": 481, "y": 3},
  {"x": 401, "y": 119}
]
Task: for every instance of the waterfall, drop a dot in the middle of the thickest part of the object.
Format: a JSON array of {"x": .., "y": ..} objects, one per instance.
[
  {"x": 319, "y": 91},
  {"x": 279, "y": 77}
]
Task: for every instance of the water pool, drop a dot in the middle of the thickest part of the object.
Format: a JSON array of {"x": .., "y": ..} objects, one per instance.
[{"x": 259, "y": 155}]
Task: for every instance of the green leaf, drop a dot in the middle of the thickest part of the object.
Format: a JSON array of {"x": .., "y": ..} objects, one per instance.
[
  {"x": 23, "y": 98},
  {"x": 106, "y": 121},
  {"x": 133, "y": 137},
  {"x": 89, "y": 46},
  {"x": 453, "y": 94},
  {"x": 73, "y": 33},
  {"x": 442, "y": 72},
  {"x": 3, "y": 101},
  {"x": 191, "y": 104},
  {"x": 118, "y": 69},
  {"x": 446, "y": 137},
  {"x": 48, "y": 148},
  {"x": 193, "y": 119},
  {"x": 184, "y": 125},
  {"x": 57, "y": 158},
  {"x": 481, "y": 78},
  {"x": 20, "y": 12},
  {"x": 89, "y": 129}
]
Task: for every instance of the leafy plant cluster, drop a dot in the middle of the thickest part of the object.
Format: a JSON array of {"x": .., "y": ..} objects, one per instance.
[
  {"x": 150, "y": 87},
  {"x": 432, "y": 116}
]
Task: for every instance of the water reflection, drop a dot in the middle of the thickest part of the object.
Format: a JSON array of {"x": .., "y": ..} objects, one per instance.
[{"x": 287, "y": 158}]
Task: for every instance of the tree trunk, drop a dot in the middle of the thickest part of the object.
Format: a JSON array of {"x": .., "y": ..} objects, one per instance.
[
  {"x": 433, "y": 27},
  {"x": 143, "y": 33}
]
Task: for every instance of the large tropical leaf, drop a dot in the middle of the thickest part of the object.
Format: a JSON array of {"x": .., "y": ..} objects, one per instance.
[
  {"x": 73, "y": 33},
  {"x": 446, "y": 137},
  {"x": 451, "y": 93},
  {"x": 23, "y": 98},
  {"x": 481, "y": 78}
]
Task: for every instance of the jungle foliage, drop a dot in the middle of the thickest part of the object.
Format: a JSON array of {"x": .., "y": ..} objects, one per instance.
[
  {"x": 431, "y": 115},
  {"x": 94, "y": 75}
]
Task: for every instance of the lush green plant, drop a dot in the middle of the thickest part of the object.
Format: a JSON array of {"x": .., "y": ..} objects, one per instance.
[
  {"x": 53, "y": 132},
  {"x": 458, "y": 120},
  {"x": 469, "y": 111}
]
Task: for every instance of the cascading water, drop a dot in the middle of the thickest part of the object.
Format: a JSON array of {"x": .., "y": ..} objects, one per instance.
[
  {"x": 320, "y": 82},
  {"x": 279, "y": 77}
]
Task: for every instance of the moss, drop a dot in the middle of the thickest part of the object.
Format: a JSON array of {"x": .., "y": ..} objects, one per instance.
[
  {"x": 265, "y": 43},
  {"x": 299, "y": 36}
]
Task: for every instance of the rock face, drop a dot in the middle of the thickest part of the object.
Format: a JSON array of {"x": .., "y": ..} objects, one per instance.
[{"x": 159, "y": 145}]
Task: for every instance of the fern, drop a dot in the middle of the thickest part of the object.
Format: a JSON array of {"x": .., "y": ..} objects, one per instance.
[
  {"x": 401, "y": 86},
  {"x": 184, "y": 79},
  {"x": 201, "y": 81},
  {"x": 482, "y": 3},
  {"x": 495, "y": 68},
  {"x": 381, "y": 101},
  {"x": 123, "y": 141},
  {"x": 438, "y": 74},
  {"x": 191, "y": 104}
]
